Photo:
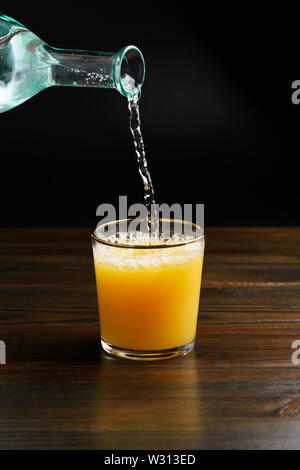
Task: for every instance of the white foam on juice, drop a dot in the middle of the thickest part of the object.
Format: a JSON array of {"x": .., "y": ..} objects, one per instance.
[{"x": 145, "y": 258}]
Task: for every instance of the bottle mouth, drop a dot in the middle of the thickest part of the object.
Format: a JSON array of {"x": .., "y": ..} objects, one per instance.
[{"x": 129, "y": 71}]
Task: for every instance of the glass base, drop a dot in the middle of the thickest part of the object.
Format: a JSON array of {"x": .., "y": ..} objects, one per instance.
[{"x": 147, "y": 355}]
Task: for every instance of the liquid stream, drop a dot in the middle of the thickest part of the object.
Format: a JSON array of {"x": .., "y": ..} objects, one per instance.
[{"x": 135, "y": 128}]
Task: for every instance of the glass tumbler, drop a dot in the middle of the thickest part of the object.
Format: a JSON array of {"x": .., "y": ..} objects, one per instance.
[{"x": 148, "y": 292}]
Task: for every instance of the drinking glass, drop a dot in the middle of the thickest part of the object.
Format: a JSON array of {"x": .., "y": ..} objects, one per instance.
[{"x": 148, "y": 294}]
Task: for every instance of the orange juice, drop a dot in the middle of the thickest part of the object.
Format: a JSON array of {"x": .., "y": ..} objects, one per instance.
[{"x": 148, "y": 298}]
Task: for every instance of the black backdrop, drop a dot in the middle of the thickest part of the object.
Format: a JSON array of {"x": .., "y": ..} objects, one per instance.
[{"x": 218, "y": 121}]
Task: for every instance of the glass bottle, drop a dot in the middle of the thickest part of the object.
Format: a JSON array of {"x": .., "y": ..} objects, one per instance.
[{"x": 28, "y": 65}]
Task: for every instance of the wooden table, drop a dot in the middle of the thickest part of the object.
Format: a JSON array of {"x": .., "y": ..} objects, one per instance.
[{"x": 237, "y": 390}]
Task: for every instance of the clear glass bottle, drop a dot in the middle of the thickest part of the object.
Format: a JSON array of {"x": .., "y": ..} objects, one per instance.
[{"x": 28, "y": 65}]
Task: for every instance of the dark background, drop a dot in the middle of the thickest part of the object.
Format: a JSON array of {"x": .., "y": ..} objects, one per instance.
[{"x": 217, "y": 117}]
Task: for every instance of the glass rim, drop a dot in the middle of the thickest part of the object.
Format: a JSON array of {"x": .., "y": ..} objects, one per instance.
[
  {"x": 147, "y": 247},
  {"x": 117, "y": 69}
]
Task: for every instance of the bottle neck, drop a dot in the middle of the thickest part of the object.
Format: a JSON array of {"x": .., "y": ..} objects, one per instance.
[
  {"x": 80, "y": 68},
  {"x": 97, "y": 69}
]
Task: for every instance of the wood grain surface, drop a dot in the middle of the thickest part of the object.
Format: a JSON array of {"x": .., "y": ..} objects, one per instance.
[{"x": 237, "y": 390}]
